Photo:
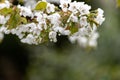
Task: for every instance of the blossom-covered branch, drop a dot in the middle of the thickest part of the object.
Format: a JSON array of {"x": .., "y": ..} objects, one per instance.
[{"x": 46, "y": 21}]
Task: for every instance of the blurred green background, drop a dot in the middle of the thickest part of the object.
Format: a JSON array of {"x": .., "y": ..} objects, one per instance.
[{"x": 65, "y": 61}]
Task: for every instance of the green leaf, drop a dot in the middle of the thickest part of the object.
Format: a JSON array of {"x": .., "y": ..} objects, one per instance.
[
  {"x": 2, "y": 1},
  {"x": 0, "y": 25},
  {"x": 44, "y": 34},
  {"x": 23, "y": 20},
  {"x": 5, "y": 11},
  {"x": 118, "y": 3},
  {"x": 41, "y": 5},
  {"x": 73, "y": 27},
  {"x": 15, "y": 19}
]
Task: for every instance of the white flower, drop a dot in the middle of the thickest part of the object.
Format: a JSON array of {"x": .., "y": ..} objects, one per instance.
[
  {"x": 72, "y": 39},
  {"x": 2, "y": 19},
  {"x": 13, "y": 31},
  {"x": 93, "y": 39},
  {"x": 29, "y": 39},
  {"x": 58, "y": 29},
  {"x": 86, "y": 36},
  {"x": 20, "y": 36},
  {"x": 37, "y": 30},
  {"x": 50, "y": 8},
  {"x": 64, "y": 4},
  {"x": 61, "y": 30},
  {"x": 100, "y": 19},
  {"x": 73, "y": 18},
  {"x": 65, "y": 1},
  {"x": 28, "y": 33},
  {"x": 5, "y": 30},
  {"x": 31, "y": 26},
  {"x": 40, "y": 16},
  {"x": 83, "y": 21},
  {"x": 92, "y": 43},
  {"x": 24, "y": 11},
  {"x": 54, "y": 19},
  {"x": 82, "y": 41},
  {"x": 53, "y": 36},
  {"x": 6, "y": 4},
  {"x": 100, "y": 11},
  {"x": 74, "y": 6},
  {"x": 19, "y": 31},
  {"x": 84, "y": 9},
  {"x": 30, "y": 3},
  {"x": 66, "y": 32},
  {"x": 53, "y": 1},
  {"x": 87, "y": 30},
  {"x": 83, "y": 31}
]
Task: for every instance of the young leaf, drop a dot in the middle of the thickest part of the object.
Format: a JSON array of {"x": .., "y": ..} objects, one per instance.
[
  {"x": 5, "y": 11},
  {"x": 44, "y": 34},
  {"x": 118, "y": 3},
  {"x": 23, "y": 20},
  {"x": 2, "y": 1},
  {"x": 0, "y": 25},
  {"x": 15, "y": 19},
  {"x": 73, "y": 27},
  {"x": 41, "y": 5}
]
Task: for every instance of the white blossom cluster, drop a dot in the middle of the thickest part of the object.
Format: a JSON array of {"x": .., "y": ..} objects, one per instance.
[
  {"x": 52, "y": 23},
  {"x": 5, "y": 4},
  {"x": 3, "y": 19},
  {"x": 30, "y": 3}
]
